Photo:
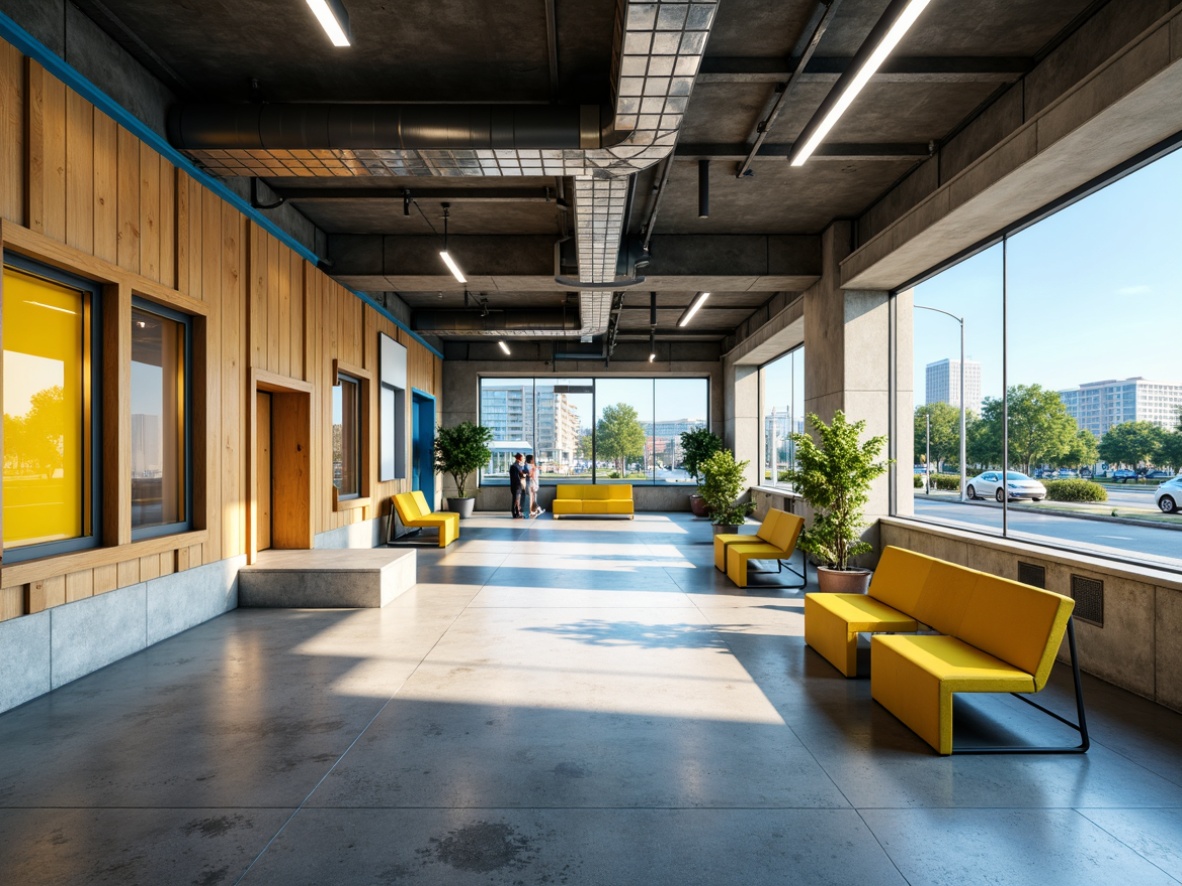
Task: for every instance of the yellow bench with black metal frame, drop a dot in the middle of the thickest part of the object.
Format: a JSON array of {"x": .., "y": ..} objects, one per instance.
[
  {"x": 605, "y": 499},
  {"x": 777, "y": 542},
  {"x": 415, "y": 513},
  {"x": 993, "y": 635}
]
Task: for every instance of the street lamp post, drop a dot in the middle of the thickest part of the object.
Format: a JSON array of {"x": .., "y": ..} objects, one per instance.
[{"x": 959, "y": 320}]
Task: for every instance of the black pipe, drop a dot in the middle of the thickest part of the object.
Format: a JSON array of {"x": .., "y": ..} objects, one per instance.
[
  {"x": 387, "y": 127},
  {"x": 703, "y": 189},
  {"x": 459, "y": 321}
]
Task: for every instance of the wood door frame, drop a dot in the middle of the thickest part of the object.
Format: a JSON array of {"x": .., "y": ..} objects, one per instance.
[{"x": 293, "y": 398}]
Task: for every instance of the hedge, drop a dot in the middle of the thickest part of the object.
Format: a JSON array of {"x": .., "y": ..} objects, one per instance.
[{"x": 1075, "y": 490}]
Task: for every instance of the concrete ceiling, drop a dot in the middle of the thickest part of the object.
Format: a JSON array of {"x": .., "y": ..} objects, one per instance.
[{"x": 760, "y": 240}]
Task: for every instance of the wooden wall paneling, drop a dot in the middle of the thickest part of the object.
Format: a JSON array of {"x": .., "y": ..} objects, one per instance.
[
  {"x": 128, "y": 572},
  {"x": 116, "y": 416},
  {"x": 211, "y": 260},
  {"x": 12, "y": 133},
  {"x": 53, "y": 567},
  {"x": 182, "y": 559},
  {"x": 256, "y": 266},
  {"x": 189, "y": 228},
  {"x": 314, "y": 373},
  {"x": 196, "y": 556},
  {"x": 299, "y": 346},
  {"x": 149, "y": 567},
  {"x": 128, "y": 252},
  {"x": 149, "y": 212},
  {"x": 12, "y": 602},
  {"x": 281, "y": 288},
  {"x": 168, "y": 180},
  {"x": 45, "y": 593},
  {"x": 106, "y": 187},
  {"x": 79, "y": 585},
  {"x": 46, "y": 146},
  {"x": 106, "y": 578},
  {"x": 79, "y": 172},
  {"x": 181, "y": 228},
  {"x": 233, "y": 494},
  {"x": 291, "y": 429},
  {"x": 270, "y": 293},
  {"x": 168, "y": 563}
]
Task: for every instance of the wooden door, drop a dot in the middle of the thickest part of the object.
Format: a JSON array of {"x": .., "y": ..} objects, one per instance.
[{"x": 263, "y": 455}]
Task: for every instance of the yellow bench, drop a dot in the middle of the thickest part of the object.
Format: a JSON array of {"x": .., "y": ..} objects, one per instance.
[
  {"x": 993, "y": 635},
  {"x": 774, "y": 540},
  {"x": 583, "y": 500},
  {"x": 415, "y": 513}
]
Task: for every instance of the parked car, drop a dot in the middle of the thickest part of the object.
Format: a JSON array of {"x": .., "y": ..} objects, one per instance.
[
  {"x": 1123, "y": 475},
  {"x": 1169, "y": 495},
  {"x": 1158, "y": 475},
  {"x": 1066, "y": 474},
  {"x": 1017, "y": 485}
]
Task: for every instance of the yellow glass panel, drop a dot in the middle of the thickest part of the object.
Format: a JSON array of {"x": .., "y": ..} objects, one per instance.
[{"x": 45, "y": 440}]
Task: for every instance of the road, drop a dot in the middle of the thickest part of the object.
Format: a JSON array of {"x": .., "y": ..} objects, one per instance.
[{"x": 1162, "y": 545}]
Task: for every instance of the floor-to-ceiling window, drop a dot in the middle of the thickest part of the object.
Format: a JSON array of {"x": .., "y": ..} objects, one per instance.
[
  {"x": 592, "y": 430},
  {"x": 1070, "y": 372},
  {"x": 781, "y": 409}
]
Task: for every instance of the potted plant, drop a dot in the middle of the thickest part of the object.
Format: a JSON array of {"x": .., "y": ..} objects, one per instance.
[
  {"x": 833, "y": 475},
  {"x": 722, "y": 483},
  {"x": 697, "y": 446},
  {"x": 459, "y": 451}
]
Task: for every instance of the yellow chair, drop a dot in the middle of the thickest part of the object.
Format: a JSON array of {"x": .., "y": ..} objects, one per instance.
[
  {"x": 722, "y": 539},
  {"x": 415, "y": 513},
  {"x": 783, "y": 537}
]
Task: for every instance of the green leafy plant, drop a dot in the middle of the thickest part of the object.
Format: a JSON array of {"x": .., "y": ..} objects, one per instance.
[
  {"x": 697, "y": 446},
  {"x": 1075, "y": 490},
  {"x": 946, "y": 482},
  {"x": 460, "y": 450},
  {"x": 834, "y": 477},
  {"x": 722, "y": 483}
]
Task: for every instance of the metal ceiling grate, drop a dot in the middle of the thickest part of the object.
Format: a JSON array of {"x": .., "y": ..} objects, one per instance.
[
  {"x": 1031, "y": 574},
  {"x": 1088, "y": 594}
]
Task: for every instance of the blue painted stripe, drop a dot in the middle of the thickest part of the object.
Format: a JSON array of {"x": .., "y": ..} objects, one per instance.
[{"x": 54, "y": 64}]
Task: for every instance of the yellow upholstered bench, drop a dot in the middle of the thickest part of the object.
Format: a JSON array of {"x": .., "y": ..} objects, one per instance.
[
  {"x": 777, "y": 544},
  {"x": 593, "y": 500},
  {"x": 415, "y": 513},
  {"x": 992, "y": 635},
  {"x": 1002, "y": 636},
  {"x": 722, "y": 539}
]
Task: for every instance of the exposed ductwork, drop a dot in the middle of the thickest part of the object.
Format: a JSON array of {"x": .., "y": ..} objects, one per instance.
[
  {"x": 657, "y": 52},
  {"x": 535, "y": 321}
]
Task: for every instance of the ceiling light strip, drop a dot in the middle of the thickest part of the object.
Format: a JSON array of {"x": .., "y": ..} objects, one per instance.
[
  {"x": 815, "y": 132},
  {"x": 334, "y": 18},
  {"x": 694, "y": 307}
]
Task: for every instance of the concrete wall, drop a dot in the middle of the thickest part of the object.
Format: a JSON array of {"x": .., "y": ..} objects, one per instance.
[
  {"x": 461, "y": 398},
  {"x": 56, "y": 646},
  {"x": 1136, "y": 649}
]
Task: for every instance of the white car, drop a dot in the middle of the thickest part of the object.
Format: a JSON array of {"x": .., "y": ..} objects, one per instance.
[
  {"x": 1017, "y": 485},
  {"x": 1169, "y": 495}
]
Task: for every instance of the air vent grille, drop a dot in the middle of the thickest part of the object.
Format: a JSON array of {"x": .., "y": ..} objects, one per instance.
[
  {"x": 1088, "y": 594},
  {"x": 1030, "y": 574}
]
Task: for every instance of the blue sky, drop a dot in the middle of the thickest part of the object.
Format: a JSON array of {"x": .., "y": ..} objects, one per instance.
[{"x": 1094, "y": 292}]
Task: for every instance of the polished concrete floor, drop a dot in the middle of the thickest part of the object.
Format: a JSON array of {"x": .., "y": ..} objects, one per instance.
[{"x": 560, "y": 702}]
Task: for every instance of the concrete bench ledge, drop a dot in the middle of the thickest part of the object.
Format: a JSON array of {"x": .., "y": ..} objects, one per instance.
[{"x": 348, "y": 578}]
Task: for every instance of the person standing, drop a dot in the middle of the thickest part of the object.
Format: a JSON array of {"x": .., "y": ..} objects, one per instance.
[
  {"x": 516, "y": 482},
  {"x": 533, "y": 483}
]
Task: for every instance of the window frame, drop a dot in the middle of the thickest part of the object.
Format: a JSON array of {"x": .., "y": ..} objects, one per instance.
[
  {"x": 762, "y": 388},
  {"x": 92, "y": 424},
  {"x": 186, "y": 323},
  {"x": 363, "y": 379}
]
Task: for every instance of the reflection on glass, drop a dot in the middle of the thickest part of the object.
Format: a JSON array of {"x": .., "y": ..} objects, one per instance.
[
  {"x": 507, "y": 409},
  {"x": 346, "y": 436},
  {"x": 157, "y": 420},
  {"x": 46, "y": 375},
  {"x": 973, "y": 291},
  {"x": 781, "y": 386},
  {"x": 562, "y": 436},
  {"x": 680, "y": 405}
]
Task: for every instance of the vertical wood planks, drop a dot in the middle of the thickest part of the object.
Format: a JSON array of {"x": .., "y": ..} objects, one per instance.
[
  {"x": 46, "y": 146},
  {"x": 128, "y": 207},
  {"x": 233, "y": 383},
  {"x": 211, "y": 265},
  {"x": 12, "y": 134},
  {"x": 79, "y": 172},
  {"x": 106, "y": 187},
  {"x": 149, "y": 212}
]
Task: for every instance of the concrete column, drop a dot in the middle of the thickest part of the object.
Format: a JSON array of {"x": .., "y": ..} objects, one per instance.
[
  {"x": 847, "y": 347},
  {"x": 741, "y": 430}
]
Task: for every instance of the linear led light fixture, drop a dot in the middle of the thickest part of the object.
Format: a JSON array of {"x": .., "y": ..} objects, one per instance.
[
  {"x": 693, "y": 308},
  {"x": 504, "y": 347},
  {"x": 447, "y": 259},
  {"x": 904, "y": 13},
  {"x": 334, "y": 19}
]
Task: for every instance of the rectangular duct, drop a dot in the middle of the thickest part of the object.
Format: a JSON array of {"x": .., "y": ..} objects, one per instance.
[{"x": 1088, "y": 594}]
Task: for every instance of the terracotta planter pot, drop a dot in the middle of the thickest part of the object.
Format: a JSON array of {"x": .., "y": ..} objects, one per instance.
[
  {"x": 462, "y": 506},
  {"x": 698, "y": 505},
  {"x": 842, "y": 581}
]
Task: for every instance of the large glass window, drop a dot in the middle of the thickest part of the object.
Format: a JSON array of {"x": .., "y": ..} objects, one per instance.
[
  {"x": 623, "y": 430},
  {"x": 1072, "y": 387},
  {"x": 159, "y": 420},
  {"x": 781, "y": 398},
  {"x": 50, "y": 412},
  {"x": 346, "y": 436}
]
